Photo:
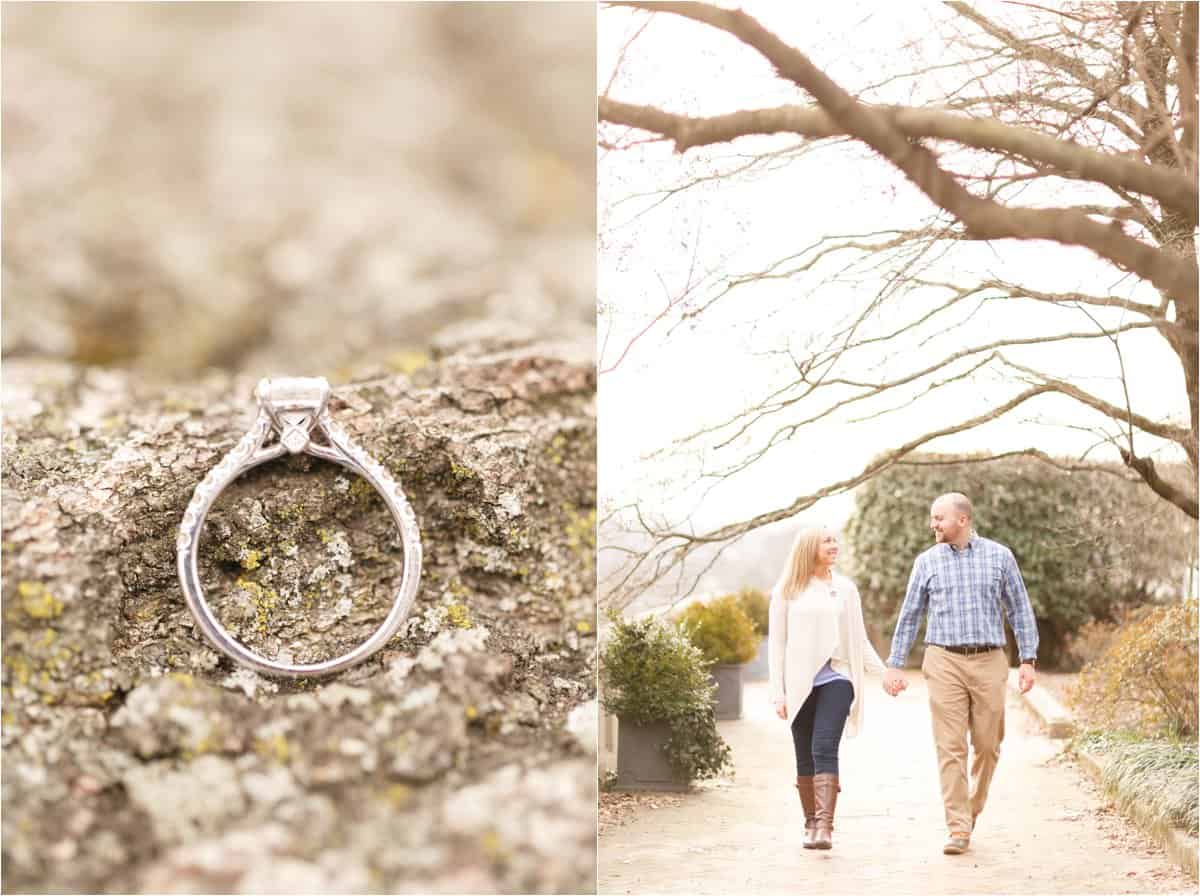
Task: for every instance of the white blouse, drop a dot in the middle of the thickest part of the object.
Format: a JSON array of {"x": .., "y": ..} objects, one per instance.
[{"x": 823, "y": 622}]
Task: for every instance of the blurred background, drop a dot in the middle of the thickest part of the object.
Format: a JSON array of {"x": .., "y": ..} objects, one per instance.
[{"x": 295, "y": 188}]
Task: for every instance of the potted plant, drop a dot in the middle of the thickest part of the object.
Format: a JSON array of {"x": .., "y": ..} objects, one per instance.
[
  {"x": 656, "y": 684},
  {"x": 756, "y": 605},
  {"x": 726, "y": 638}
]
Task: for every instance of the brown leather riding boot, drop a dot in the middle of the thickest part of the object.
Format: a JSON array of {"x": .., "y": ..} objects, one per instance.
[
  {"x": 825, "y": 788},
  {"x": 808, "y": 799}
]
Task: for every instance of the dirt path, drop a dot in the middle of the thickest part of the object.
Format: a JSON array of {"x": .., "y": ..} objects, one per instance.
[{"x": 1045, "y": 830}]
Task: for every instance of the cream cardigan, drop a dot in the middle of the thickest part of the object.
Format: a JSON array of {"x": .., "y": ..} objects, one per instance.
[{"x": 806, "y": 631}]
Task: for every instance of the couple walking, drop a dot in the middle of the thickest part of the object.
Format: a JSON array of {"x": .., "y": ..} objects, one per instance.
[{"x": 819, "y": 651}]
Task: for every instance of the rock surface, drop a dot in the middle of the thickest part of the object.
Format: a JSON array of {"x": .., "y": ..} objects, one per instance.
[
  {"x": 400, "y": 198},
  {"x": 138, "y": 759}
]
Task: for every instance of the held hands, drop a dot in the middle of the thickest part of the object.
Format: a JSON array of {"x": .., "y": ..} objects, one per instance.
[
  {"x": 781, "y": 710},
  {"x": 894, "y": 681},
  {"x": 1026, "y": 677}
]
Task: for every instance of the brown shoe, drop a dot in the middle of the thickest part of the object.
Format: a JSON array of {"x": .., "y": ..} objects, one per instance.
[
  {"x": 808, "y": 799},
  {"x": 825, "y": 788},
  {"x": 957, "y": 844}
]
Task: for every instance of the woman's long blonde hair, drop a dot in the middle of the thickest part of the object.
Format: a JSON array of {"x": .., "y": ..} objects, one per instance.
[{"x": 802, "y": 563}]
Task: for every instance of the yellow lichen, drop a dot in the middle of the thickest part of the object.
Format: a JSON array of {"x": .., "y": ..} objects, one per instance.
[
  {"x": 461, "y": 473},
  {"x": 177, "y": 404},
  {"x": 20, "y": 668},
  {"x": 408, "y": 362},
  {"x": 398, "y": 794},
  {"x": 491, "y": 845},
  {"x": 458, "y": 616},
  {"x": 471, "y": 713},
  {"x": 37, "y": 602},
  {"x": 583, "y": 627},
  {"x": 273, "y": 748},
  {"x": 251, "y": 559},
  {"x": 146, "y": 612},
  {"x": 206, "y": 744},
  {"x": 581, "y": 533},
  {"x": 265, "y": 600},
  {"x": 555, "y": 449}
]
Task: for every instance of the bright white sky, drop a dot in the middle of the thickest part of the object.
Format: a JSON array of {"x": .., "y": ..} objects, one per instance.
[{"x": 673, "y": 381}]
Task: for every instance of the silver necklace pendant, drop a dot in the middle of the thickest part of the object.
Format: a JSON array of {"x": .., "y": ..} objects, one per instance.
[{"x": 294, "y": 408}]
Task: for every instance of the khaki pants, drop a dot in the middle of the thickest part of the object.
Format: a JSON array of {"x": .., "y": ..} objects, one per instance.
[{"x": 966, "y": 694}]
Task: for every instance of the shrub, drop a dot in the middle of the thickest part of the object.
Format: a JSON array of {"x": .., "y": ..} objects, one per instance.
[
  {"x": 721, "y": 630},
  {"x": 1146, "y": 681},
  {"x": 1088, "y": 544},
  {"x": 1091, "y": 642},
  {"x": 757, "y": 606},
  {"x": 652, "y": 673}
]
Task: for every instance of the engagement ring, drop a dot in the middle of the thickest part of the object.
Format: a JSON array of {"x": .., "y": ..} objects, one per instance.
[{"x": 294, "y": 409}]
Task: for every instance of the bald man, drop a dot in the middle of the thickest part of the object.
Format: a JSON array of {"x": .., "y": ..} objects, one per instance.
[{"x": 968, "y": 585}]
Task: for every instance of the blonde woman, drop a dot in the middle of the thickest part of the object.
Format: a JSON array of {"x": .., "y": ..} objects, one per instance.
[{"x": 817, "y": 652}]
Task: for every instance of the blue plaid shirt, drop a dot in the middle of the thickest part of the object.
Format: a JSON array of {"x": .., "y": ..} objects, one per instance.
[{"x": 967, "y": 594}]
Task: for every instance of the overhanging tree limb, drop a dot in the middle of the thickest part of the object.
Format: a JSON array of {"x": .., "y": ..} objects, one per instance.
[
  {"x": 1062, "y": 157},
  {"x": 1145, "y": 468},
  {"x": 1181, "y": 435},
  {"x": 983, "y": 218},
  {"x": 881, "y": 462}
]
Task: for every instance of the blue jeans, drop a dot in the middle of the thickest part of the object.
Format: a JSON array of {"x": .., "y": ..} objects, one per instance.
[{"x": 817, "y": 728}]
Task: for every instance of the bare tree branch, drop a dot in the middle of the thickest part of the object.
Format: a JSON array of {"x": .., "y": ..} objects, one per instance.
[
  {"x": 1149, "y": 473},
  {"x": 689, "y": 541},
  {"x": 986, "y": 219},
  {"x": 1058, "y": 156},
  {"x": 1181, "y": 435},
  {"x": 1067, "y": 466}
]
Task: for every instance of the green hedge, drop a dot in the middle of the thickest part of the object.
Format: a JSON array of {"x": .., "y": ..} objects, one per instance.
[
  {"x": 1087, "y": 544},
  {"x": 721, "y": 630},
  {"x": 757, "y": 606}
]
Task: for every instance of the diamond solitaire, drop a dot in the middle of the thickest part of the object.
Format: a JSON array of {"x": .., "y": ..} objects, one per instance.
[{"x": 292, "y": 408}]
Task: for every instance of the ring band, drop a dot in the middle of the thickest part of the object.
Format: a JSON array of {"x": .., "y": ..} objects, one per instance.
[{"x": 295, "y": 407}]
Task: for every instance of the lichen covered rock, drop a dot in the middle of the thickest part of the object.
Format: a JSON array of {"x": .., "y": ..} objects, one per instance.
[{"x": 138, "y": 759}]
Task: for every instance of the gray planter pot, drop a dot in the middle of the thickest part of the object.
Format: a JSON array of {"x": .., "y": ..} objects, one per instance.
[
  {"x": 641, "y": 763},
  {"x": 757, "y": 669},
  {"x": 728, "y": 698}
]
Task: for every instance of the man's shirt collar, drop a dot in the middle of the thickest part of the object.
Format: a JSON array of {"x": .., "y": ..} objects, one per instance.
[{"x": 969, "y": 546}]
